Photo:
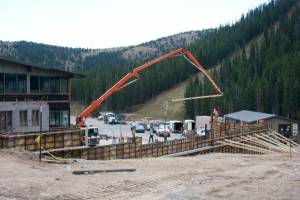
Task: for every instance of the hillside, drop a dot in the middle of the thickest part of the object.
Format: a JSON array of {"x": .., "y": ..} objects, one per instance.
[
  {"x": 239, "y": 92},
  {"x": 156, "y": 107},
  {"x": 79, "y": 59},
  {"x": 263, "y": 76}
]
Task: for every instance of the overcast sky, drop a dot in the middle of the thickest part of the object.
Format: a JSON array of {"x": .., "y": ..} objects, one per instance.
[{"x": 112, "y": 23}]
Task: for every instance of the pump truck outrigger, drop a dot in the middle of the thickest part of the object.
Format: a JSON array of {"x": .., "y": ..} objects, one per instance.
[{"x": 80, "y": 120}]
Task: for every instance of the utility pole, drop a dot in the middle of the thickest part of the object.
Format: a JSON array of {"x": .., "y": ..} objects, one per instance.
[{"x": 41, "y": 115}]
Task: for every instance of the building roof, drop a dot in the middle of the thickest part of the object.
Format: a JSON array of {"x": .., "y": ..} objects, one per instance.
[
  {"x": 248, "y": 116},
  {"x": 67, "y": 73}
]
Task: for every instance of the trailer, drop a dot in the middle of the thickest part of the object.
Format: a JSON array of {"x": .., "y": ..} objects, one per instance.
[{"x": 176, "y": 126}]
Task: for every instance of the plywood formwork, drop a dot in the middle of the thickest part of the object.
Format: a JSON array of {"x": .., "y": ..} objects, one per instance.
[
  {"x": 135, "y": 149},
  {"x": 67, "y": 144},
  {"x": 49, "y": 140}
]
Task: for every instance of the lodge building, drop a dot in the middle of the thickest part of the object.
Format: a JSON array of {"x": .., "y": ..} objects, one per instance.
[{"x": 26, "y": 89}]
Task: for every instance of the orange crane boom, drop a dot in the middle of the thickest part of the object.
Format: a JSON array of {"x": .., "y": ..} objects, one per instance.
[{"x": 135, "y": 74}]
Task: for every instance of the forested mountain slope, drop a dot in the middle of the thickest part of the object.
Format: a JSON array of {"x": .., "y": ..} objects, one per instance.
[
  {"x": 79, "y": 59},
  {"x": 263, "y": 77},
  {"x": 213, "y": 46}
]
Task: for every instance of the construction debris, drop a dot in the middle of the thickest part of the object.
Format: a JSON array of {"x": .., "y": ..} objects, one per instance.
[{"x": 55, "y": 161}]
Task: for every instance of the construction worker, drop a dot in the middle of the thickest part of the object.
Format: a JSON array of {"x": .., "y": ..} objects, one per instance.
[
  {"x": 214, "y": 116},
  {"x": 133, "y": 134},
  {"x": 165, "y": 138},
  {"x": 151, "y": 135}
]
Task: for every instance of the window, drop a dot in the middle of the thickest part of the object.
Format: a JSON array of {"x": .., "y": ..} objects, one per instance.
[
  {"x": 64, "y": 85},
  {"x": 5, "y": 121},
  {"x": 54, "y": 118},
  {"x": 45, "y": 84},
  {"x": 22, "y": 83},
  {"x": 34, "y": 84},
  {"x": 10, "y": 83},
  {"x": 54, "y": 85},
  {"x": 64, "y": 118},
  {"x": 35, "y": 118},
  {"x": 23, "y": 118},
  {"x": 59, "y": 119},
  {"x": 1, "y": 82}
]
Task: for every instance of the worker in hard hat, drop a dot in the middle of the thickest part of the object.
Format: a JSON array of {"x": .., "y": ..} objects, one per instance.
[
  {"x": 214, "y": 115},
  {"x": 133, "y": 134}
]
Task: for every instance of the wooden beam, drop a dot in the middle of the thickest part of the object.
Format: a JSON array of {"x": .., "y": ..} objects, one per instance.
[
  {"x": 243, "y": 147},
  {"x": 271, "y": 140},
  {"x": 199, "y": 97},
  {"x": 78, "y": 172},
  {"x": 185, "y": 153},
  {"x": 250, "y": 146},
  {"x": 286, "y": 139},
  {"x": 263, "y": 143}
]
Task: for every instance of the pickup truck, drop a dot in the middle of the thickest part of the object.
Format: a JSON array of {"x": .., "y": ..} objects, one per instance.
[{"x": 112, "y": 120}]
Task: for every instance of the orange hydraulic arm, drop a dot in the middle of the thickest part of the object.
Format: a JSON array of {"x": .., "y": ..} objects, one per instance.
[{"x": 135, "y": 74}]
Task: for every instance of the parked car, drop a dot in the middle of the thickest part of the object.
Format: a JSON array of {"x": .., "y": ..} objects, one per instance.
[
  {"x": 107, "y": 116},
  {"x": 201, "y": 132},
  {"x": 154, "y": 126},
  {"x": 139, "y": 129},
  {"x": 144, "y": 125},
  {"x": 121, "y": 119},
  {"x": 100, "y": 118},
  {"x": 122, "y": 122},
  {"x": 148, "y": 127},
  {"x": 163, "y": 130},
  {"x": 112, "y": 120}
]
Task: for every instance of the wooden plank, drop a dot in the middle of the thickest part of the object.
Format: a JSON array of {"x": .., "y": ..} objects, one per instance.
[
  {"x": 80, "y": 172},
  {"x": 185, "y": 153}
]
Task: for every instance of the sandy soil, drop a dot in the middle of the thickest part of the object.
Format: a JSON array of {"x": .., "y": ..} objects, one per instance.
[{"x": 210, "y": 176}]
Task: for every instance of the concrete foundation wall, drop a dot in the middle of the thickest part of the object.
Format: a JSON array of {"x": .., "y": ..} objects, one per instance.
[
  {"x": 136, "y": 149},
  {"x": 49, "y": 140},
  {"x": 16, "y": 107}
]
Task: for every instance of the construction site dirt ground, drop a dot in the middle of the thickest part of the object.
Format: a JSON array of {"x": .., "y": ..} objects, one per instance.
[{"x": 209, "y": 176}]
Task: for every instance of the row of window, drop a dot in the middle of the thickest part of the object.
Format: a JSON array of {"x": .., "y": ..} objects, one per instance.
[
  {"x": 59, "y": 119},
  {"x": 56, "y": 119},
  {"x": 35, "y": 117},
  {"x": 46, "y": 84},
  {"x": 5, "y": 120},
  {"x": 17, "y": 83},
  {"x": 13, "y": 83}
]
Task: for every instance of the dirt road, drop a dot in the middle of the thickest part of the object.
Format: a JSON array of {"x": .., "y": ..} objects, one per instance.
[{"x": 210, "y": 176}]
